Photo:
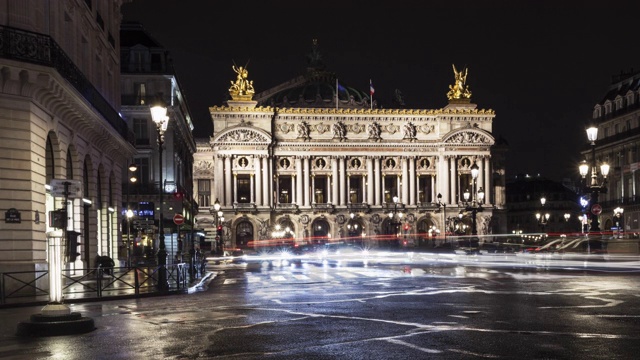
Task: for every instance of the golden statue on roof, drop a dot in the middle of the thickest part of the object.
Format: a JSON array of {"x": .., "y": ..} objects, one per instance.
[
  {"x": 459, "y": 90},
  {"x": 241, "y": 89}
]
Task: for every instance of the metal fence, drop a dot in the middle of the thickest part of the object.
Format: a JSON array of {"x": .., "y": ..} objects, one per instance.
[{"x": 32, "y": 287}]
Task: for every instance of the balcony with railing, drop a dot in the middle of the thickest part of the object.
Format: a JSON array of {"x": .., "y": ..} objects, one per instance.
[{"x": 34, "y": 48}]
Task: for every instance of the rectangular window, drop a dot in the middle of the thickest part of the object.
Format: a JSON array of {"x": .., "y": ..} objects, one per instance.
[
  {"x": 320, "y": 189},
  {"x": 141, "y": 131},
  {"x": 156, "y": 63},
  {"x": 140, "y": 90},
  {"x": 390, "y": 188},
  {"x": 466, "y": 184},
  {"x": 424, "y": 189},
  {"x": 355, "y": 189},
  {"x": 143, "y": 171},
  {"x": 285, "y": 189},
  {"x": 204, "y": 192},
  {"x": 137, "y": 61},
  {"x": 244, "y": 189}
]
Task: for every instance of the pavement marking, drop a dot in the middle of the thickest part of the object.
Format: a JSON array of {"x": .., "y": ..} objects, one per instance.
[
  {"x": 346, "y": 275},
  {"x": 230, "y": 281},
  {"x": 301, "y": 277},
  {"x": 278, "y": 278}
]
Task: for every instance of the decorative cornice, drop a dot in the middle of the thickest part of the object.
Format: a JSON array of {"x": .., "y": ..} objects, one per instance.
[{"x": 327, "y": 111}]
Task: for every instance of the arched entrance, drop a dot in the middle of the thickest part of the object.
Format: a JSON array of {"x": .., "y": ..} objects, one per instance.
[
  {"x": 355, "y": 231},
  {"x": 284, "y": 232},
  {"x": 320, "y": 231},
  {"x": 428, "y": 233},
  {"x": 244, "y": 234},
  {"x": 392, "y": 230}
]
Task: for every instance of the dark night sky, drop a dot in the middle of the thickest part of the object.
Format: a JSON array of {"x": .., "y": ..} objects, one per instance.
[{"x": 541, "y": 65}]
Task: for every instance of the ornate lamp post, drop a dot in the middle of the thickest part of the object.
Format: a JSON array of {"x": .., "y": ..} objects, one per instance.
[
  {"x": 159, "y": 116},
  {"x": 217, "y": 214},
  {"x": 395, "y": 218},
  {"x": 617, "y": 214},
  {"x": 475, "y": 205},
  {"x": 596, "y": 186},
  {"x": 543, "y": 219},
  {"x": 353, "y": 228},
  {"x": 444, "y": 215},
  {"x": 279, "y": 233},
  {"x": 132, "y": 179}
]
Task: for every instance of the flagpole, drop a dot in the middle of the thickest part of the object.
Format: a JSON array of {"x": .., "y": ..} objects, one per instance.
[
  {"x": 371, "y": 91},
  {"x": 336, "y": 94}
]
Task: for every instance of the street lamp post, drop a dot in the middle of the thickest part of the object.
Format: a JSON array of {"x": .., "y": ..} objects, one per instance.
[
  {"x": 159, "y": 116},
  {"x": 567, "y": 216},
  {"x": 595, "y": 186},
  {"x": 217, "y": 214},
  {"x": 445, "y": 221},
  {"x": 129, "y": 216},
  {"x": 395, "y": 218},
  {"x": 281, "y": 235},
  {"x": 543, "y": 219},
  {"x": 353, "y": 228},
  {"x": 617, "y": 213},
  {"x": 192, "y": 251},
  {"x": 477, "y": 200},
  {"x": 132, "y": 179}
]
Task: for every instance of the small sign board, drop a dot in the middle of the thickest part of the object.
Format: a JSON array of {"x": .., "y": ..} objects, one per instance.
[
  {"x": 178, "y": 219},
  {"x": 596, "y": 209},
  {"x": 73, "y": 188},
  {"x": 12, "y": 216}
]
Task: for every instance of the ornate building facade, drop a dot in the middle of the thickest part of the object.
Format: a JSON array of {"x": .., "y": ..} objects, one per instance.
[
  {"x": 316, "y": 158},
  {"x": 617, "y": 117},
  {"x": 148, "y": 75},
  {"x": 59, "y": 108}
]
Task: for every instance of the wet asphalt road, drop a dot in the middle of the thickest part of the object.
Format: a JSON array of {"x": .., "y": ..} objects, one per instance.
[{"x": 268, "y": 310}]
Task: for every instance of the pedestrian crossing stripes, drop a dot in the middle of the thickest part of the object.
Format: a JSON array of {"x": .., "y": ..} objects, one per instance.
[{"x": 339, "y": 274}]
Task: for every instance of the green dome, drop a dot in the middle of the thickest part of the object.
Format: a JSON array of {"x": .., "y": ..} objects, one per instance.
[{"x": 316, "y": 89}]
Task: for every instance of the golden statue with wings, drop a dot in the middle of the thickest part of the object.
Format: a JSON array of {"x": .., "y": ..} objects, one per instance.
[
  {"x": 459, "y": 90},
  {"x": 242, "y": 88}
]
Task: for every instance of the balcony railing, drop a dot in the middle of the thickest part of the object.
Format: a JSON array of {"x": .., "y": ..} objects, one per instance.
[
  {"x": 322, "y": 207},
  {"x": 34, "y": 48},
  {"x": 244, "y": 207},
  {"x": 359, "y": 207},
  {"x": 286, "y": 207}
]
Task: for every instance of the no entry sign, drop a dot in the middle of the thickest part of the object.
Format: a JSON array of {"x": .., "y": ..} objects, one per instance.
[
  {"x": 596, "y": 209},
  {"x": 178, "y": 219}
]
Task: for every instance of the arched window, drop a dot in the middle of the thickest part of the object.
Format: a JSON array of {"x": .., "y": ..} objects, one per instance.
[
  {"x": 50, "y": 166},
  {"x": 69, "y": 166}
]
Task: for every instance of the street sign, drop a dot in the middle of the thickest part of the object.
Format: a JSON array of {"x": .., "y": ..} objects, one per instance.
[
  {"x": 74, "y": 188},
  {"x": 596, "y": 209},
  {"x": 178, "y": 219}
]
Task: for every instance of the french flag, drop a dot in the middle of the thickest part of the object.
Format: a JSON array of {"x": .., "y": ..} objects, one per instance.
[{"x": 371, "y": 89}]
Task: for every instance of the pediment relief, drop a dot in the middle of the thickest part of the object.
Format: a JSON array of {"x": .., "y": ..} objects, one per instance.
[
  {"x": 203, "y": 167},
  {"x": 243, "y": 135},
  {"x": 469, "y": 137}
]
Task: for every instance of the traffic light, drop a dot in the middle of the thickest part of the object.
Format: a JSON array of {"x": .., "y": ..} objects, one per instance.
[
  {"x": 219, "y": 231},
  {"x": 72, "y": 245}
]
